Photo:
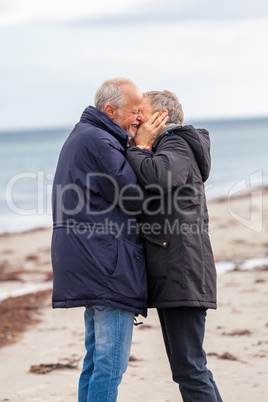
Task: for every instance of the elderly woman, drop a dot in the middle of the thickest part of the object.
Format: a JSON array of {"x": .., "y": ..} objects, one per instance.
[{"x": 180, "y": 264}]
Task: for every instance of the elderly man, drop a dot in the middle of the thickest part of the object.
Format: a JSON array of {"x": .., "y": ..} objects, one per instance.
[
  {"x": 180, "y": 265},
  {"x": 97, "y": 257}
]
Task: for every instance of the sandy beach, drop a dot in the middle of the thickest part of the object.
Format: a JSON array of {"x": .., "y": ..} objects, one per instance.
[{"x": 236, "y": 339}]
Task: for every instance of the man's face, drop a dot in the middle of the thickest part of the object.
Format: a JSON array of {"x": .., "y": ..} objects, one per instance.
[{"x": 130, "y": 117}]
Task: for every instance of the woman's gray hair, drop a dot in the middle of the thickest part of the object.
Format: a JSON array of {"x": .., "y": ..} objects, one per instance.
[
  {"x": 166, "y": 100},
  {"x": 111, "y": 92}
]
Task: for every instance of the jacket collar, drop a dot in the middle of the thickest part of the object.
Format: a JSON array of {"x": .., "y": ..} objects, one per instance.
[
  {"x": 197, "y": 139},
  {"x": 165, "y": 131},
  {"x": 94, "y": 116}
]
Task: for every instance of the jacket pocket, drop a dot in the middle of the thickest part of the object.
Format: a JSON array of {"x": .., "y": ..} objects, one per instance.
[
  {"x": 110, "y": 254},
  {"x": 156, "y": 256},
  {"x": 194, "y": 262},
  {"x": 129, "y": 278},
  {"x": 166, "y": 274},
  {"x": 98, "y": 253}
]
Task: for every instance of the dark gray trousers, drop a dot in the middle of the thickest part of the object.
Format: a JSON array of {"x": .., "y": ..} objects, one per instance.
[{"x": 183, "y": 330}]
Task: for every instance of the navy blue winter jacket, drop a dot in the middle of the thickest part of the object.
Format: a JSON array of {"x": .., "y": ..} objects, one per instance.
[{"x": 97, "y": 256}]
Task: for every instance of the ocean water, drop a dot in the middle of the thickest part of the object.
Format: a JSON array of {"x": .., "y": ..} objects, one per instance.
[{"x": 28, "y": 161}]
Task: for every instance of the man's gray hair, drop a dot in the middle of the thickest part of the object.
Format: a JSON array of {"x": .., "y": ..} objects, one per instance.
[
  {"x": 111, "y": 92},
  {"x": 166, "y": 100}
]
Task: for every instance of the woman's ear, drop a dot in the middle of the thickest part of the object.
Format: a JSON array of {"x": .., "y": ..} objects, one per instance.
[{"x": 110, "y": 111}]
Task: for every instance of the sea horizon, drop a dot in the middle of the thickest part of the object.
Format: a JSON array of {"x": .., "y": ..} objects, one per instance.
[
  {"x": 191, "y": 120},
  {"x": 238, "y": 151}
]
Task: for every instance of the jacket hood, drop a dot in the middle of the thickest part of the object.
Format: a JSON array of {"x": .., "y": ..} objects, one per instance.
[
  {"x": 99, "y": 119},
  {"x": 199, "y": 141}
]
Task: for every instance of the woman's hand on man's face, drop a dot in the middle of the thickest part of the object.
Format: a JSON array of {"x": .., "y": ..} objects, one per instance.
[{"x": 148, "y": 131}]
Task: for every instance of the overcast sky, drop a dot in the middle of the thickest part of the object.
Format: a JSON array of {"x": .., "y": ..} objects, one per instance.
[{"x": 55, "y": 54}]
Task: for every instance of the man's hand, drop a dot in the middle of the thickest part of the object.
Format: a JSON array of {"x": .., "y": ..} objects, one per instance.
[{"x": 148, "y": 132}]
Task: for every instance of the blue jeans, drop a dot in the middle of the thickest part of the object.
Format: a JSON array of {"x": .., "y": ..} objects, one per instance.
[
  {"x": 183, "y": 331},
  {"x": 108, "y": 336}
]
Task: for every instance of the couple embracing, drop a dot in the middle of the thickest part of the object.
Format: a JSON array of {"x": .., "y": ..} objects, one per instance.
[{"x": 130, "y": 232}]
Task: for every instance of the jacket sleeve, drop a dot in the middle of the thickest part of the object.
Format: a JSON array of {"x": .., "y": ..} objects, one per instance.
[
  {"x": 118, "y": 182},
  {"x": 168, "y": 167}
]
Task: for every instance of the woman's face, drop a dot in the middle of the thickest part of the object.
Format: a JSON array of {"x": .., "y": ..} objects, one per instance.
[{"x": 147, "y": 109}]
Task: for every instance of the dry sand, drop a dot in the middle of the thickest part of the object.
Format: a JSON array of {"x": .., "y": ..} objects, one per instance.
[{"x": 237, "y": 329}]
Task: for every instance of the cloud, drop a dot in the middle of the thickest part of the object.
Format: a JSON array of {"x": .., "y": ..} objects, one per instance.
[
  {"x": 19, "y": 12},
  {"x": 211, "y": 9},
  {"x": 211, "y": 55},
  {"x": 7, "y": 5},
  {"x": 180, "y": 11},
  {"x": 119, "y": 12}
]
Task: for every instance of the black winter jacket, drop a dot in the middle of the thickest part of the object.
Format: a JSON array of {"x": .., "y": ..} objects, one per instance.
[{"x": 180, "y": 264}]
